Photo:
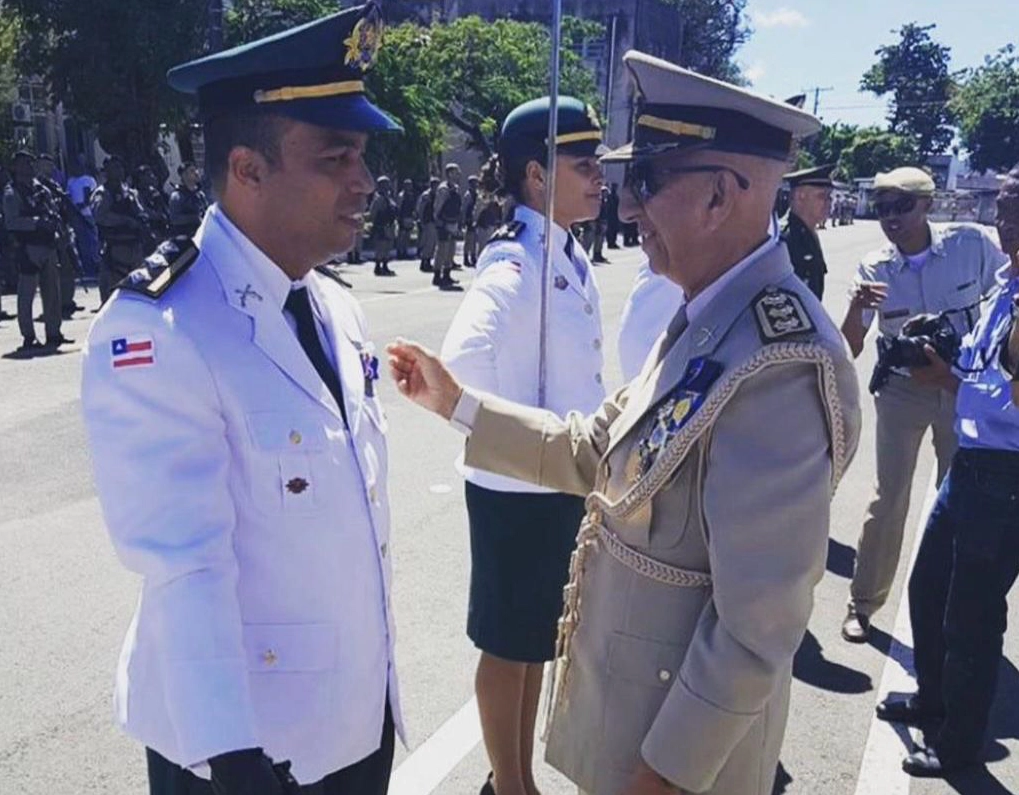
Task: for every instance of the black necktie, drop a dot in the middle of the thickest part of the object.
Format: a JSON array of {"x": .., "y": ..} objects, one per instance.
[{"x": 299, "y": 305}]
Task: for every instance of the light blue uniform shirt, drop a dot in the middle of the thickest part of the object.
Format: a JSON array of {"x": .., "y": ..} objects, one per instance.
[{"x": 985, "y": 416}]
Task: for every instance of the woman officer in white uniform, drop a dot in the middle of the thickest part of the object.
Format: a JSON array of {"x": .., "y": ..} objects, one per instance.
[{"x": 522, "y": 536}]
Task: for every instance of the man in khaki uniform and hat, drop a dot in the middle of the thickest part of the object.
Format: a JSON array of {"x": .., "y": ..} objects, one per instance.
[
  {"x": 707, "y": 497},
  {"x": 924, "y": 268}
]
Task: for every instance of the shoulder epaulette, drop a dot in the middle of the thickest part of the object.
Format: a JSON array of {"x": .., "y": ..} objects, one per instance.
[
  {"x": 508, "y": 231},
  {"x": 329, "y": 273},
  {"x": 780, "y": 313},
  {"x": 162, "y": 268}
]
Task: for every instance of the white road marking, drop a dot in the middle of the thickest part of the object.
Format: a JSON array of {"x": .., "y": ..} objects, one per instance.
[
  {"x": 881, "y": 768},
  {"x": 424, "y": 770},
  {"x": 440, "y": 488}
]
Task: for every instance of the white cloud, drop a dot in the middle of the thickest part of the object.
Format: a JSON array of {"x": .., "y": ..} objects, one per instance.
[
  {"x": 783, "y": 17},
  {"x": 755, "y": 71}
]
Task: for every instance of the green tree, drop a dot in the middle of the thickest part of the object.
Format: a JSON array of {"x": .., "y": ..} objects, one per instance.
[
  {"x": 249, "y": 20},
  {"x": 987, "y": 108},
  {"x": 711, "y": 33},
  {"x": 828, "y": 145},
  {"x": 874, "y": 150},
  {"x": 107, "y": 61},
  {"x": 10, "y": 32},
  {"x": 914, "y": 71}
]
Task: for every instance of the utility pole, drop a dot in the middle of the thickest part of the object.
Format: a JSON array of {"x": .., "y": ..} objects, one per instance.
[{"x": 818, "y": 90}]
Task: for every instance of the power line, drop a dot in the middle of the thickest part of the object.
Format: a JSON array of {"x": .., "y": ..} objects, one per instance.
[{"x": 818, "y": 90}]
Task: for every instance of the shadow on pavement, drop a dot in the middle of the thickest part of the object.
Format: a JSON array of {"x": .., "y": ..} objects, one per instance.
[
  {"x": 811, "y": 668},
  {"x": 841, "y": 559}
]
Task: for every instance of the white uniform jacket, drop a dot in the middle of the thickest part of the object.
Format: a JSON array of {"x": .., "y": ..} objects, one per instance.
[
  {"x": 259, "y": 523},
  {"x": 493, "y": 343}
]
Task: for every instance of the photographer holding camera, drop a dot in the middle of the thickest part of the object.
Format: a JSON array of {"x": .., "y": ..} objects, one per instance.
[
  {"x": 926, "y": 269},
  {"x": 969, "y": 556}
]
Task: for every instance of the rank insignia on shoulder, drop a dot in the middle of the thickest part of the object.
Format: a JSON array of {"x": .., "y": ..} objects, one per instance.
[
  {"x": 508, "y": 231},
  {"x": 780, "y": 313},
  {"x": 162, "y": 268},
  {"x": 677, "y": 409}
]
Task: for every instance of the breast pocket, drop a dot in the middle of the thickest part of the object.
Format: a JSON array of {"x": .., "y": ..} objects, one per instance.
[{"x": 288, "y": 456}]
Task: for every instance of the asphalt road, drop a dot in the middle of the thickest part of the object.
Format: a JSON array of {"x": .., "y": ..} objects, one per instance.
[{"x": 65, "y": 601}]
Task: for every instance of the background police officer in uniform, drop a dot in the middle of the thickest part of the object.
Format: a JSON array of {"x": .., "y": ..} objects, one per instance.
[
  {"x": 969, "y": 556},
  {"x": 406, "y": 203},
  {"x": 522, "y": 536},
  {"x": 810, "y": 193},
  {"x": 123, "y": 225},
  {"x": 447, "y": 206},
  {"x": 67, "y": 252},
  {"x": 383, "y": 217},
  {"x": 708, "y": 500},
  {"x": 32, "y": 219},
  {"x": 155, "y": 203},
  {"x": 469, "y": 222},
  {"x": 188, "y": 202},
  {"x": 425, "y": 214},
  {"x": 926, "y": 268},
  {"x": 239, "y": 445}
]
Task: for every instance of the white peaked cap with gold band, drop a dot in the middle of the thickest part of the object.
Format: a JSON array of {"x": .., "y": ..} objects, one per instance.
[{"x": 680, "y": 109}]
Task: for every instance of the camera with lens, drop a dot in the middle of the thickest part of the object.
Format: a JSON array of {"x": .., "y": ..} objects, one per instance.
[{"x": 907, "y": 349}]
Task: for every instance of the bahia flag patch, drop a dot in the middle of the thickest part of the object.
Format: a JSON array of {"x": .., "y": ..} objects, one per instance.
[{"x": 132, "y": 352}]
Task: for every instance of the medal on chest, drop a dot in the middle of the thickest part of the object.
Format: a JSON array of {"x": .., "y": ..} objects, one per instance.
[{"x": 676, "y": 411}]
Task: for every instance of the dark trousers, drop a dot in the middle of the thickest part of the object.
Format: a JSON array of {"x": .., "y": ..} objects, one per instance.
[
  {"x": 370, "y": 776},
  {"x": 968, "y": 561}
]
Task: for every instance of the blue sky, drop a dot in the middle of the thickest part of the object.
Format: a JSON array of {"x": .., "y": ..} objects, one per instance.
[{"x": 798, "y": 44}]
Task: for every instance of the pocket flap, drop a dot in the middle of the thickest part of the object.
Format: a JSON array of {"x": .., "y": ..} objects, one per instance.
[
  {"x": 276, "y": 431},
  {"x": 290, "y": 647},
  {"x": 646, "y": 662}
]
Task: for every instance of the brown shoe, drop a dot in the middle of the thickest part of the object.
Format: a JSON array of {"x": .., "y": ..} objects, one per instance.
[{"x": 856, "y": 627}]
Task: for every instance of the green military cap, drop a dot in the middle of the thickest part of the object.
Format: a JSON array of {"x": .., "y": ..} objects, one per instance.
[
  {"x": 820, "y": 177},
  {"x": 525, "y": 130},
  {"x": 313, "y": 73},
  {"x": 680, "y": 109},
  {"x": 906, "y": 180}
]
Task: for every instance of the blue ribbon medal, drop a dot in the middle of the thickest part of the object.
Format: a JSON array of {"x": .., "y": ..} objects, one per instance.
[{"x": 677, "y": 409}]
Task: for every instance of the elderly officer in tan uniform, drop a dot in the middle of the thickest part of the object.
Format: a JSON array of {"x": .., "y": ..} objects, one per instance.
[
  {"x": 707, "y": 497},
  {"x": 924, "y": 268}
]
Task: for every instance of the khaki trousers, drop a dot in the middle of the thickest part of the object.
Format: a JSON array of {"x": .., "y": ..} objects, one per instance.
[
  {"x": 904, "y": 413},
  {"x": 428, "y": 242},
  {"x": 47, "y": 282}
]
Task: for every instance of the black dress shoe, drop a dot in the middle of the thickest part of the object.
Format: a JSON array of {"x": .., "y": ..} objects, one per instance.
[
  {"x": 855, "y": 627},
  {"x": 488, "y": 789},
  {"x": 29, "y": 346},
  {"x": 907, "y": 711},
  {"x": 925, "y": 763},
  {"x": 57, "y": 341}
]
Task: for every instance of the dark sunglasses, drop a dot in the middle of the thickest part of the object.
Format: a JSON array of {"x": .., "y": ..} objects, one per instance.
[
  {"x": 889, "y": 207},
  {"x": 644, "y": 180}
]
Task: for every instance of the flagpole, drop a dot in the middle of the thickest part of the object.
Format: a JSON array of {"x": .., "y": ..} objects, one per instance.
[{"x": 553, "y": 132}]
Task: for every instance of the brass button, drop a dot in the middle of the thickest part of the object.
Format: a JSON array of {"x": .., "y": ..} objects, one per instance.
[
  {"x": 597, "y": 345},
  {"x": 664, "y": 675},
  {"x": 384, "y": 549},
  {"x": 589, "y": 309},
  {"x": 295, "y": 437},
  {"x": 598, "y": 377},
  {"x": 373, "y": 495},
  {"x": 269, "y": 657}
]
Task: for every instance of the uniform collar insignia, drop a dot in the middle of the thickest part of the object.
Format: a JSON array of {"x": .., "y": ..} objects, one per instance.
[{"x": 246, "y": 293}]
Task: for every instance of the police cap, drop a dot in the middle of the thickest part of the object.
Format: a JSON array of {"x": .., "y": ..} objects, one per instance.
[
  {"x": 819, "y": 177},
  {"x": 679, "y": 109},
  {"x": 525, "y": 130},
  {"x": 313, "y": 73}
]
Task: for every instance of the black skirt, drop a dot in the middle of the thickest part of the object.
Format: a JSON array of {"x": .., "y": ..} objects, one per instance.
[{"x": 520, "y": 559}]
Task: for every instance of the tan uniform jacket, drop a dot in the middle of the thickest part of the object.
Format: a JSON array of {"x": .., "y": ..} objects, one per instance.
[{"x": 694, "y": 581}]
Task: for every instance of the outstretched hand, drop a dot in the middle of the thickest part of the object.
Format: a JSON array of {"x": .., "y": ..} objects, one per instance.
[{"x": 420, "y": 376}]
